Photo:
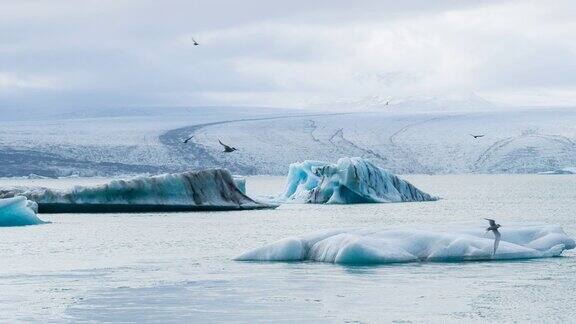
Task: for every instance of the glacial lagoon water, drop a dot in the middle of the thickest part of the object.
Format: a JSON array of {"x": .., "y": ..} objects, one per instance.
[{"x": 178, "y": 267}]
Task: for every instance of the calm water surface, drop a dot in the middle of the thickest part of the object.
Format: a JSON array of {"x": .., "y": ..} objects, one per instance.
[{"x": 178, "y": 267}]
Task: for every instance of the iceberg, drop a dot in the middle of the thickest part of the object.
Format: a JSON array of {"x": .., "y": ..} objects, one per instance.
[
  {"x": 380, "y": 246},
  {"x": 349, "y": 181},
  {"x": 560, "y": 171},
  {"x": 18, "y": 211},
  {"x": 189, "y": 191}
]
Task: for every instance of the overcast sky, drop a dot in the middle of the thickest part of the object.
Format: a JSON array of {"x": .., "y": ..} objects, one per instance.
[{"x": 111, "y": 53}]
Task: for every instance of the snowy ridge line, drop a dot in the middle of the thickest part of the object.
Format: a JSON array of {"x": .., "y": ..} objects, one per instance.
[
  {"x": 389, "y": 245},
  {"x": 189, "y": 191}
]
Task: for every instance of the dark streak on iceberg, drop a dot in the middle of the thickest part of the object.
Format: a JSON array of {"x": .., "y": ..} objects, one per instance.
[{"x": 208, "y": 190}]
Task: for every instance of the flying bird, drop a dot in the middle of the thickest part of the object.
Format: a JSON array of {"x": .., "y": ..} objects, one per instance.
[
  {"x": 188, "y": 139},
  {"x": 477, "y": 136},
  {"x": 227, "y": 149},
  {"x": 494, "y": 228},
  {"x": 195, "y": 42}
]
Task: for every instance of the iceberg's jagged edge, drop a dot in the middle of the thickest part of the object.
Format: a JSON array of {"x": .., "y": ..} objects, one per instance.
[
  {"x": 240, "y": 183},
  {"x": 380, "y": 246},
  {"x": 189, "y": 191},
  {"x": 18, "y": 211},
  {"x": 349, "y": 181}
]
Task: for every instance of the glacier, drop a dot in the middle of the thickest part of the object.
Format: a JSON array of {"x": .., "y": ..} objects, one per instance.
[
  {"x": 519, "y": 140},
  {"x": 349, "y": 181},
  {"x": 380, "y": 246},
  {"x": 18, "y": 211},
  {"x": 213, "y": 189}
]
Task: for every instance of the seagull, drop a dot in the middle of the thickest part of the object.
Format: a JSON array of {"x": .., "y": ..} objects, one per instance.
[
  {"x": 188, "y": 139},
  {"x": 227, "y": 149},
  {"x": 494, "y": 228},
  {"x": 477, "y": 136},
  {"x": 195, "y": 42}
]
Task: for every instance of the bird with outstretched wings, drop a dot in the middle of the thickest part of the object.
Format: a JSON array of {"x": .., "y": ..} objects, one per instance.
[
  {"x": 227, "y": 149},
  {"x": 494, "y": 228}
]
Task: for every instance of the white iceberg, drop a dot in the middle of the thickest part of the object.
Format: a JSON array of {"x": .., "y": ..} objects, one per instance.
[
  {"x": 18, "y": 211},
  {"x": 349, "y": 181},
  {"x": 379, "y": 246},
  {"x": 188, "y": 191},
  {"x": 560, "y": 171}
]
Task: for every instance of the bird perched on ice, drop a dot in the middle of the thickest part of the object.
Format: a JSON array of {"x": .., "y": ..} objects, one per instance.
[
  {"x": 494, "y": 228},
  {"x": 477, "y": 136},
  {"x": 227, "y": 149}
]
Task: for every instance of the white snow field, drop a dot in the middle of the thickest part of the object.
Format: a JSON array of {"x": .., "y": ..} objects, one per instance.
[
  {"x": 379, "y": 246},
  {"x": 517, "y": 141},
  {"x": 396, "y": 138},
  {"x": 212, "y": 189},
  {"x": 18, "y": 211},
  {"x": 109, "y": 142},
  {"x": 349, "y": 181}
]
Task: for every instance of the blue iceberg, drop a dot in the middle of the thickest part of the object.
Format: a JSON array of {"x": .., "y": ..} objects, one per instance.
[
  {"x": 378, "y": 246},
  {"x": 18, "y": 211},
  {"x": 189, "y": 191},
  {"x": 349, "y": 181}
]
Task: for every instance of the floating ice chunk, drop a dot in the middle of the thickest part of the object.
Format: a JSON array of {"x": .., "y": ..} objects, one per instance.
[
  {"x": 349, "y": 181},
  {"x": 202, "y": 190},
  {"x": 378, "y": 246},
  {"x": 560, "y": 171},
  {"x": 18, "y": 211},
  {"x": 36, "y": 176}
]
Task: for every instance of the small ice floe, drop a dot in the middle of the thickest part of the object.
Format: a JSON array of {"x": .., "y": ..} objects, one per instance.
[
  {"x": 200, "y": 190},
  {"x": 380, "y": 246},
  {"x": 18, "y": 211},
  {"x": 349, "y": 181},
  {"x": 560, "y": 171}
]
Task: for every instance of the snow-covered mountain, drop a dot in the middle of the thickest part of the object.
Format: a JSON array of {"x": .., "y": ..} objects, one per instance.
[{"x": 514, "y": 141}]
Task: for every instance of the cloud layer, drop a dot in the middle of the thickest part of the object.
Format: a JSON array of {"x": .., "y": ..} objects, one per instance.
[{"x": 131, "y": 53}]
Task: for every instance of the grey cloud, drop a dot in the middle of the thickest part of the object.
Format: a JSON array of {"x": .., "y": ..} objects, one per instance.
[{"x": 131, "y": 52}]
